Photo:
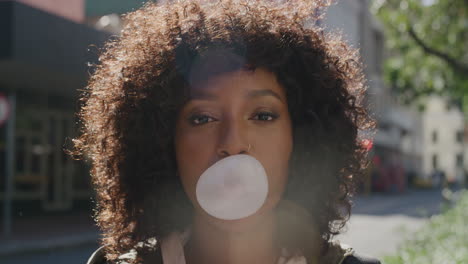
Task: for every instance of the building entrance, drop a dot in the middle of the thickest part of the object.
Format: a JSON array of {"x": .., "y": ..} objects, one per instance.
[{"x": 43, "y": 170}]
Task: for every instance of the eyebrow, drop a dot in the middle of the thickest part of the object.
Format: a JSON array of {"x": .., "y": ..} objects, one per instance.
[
  {"x": 265, "y": 92},
  {"x": 202, "y": 95}
]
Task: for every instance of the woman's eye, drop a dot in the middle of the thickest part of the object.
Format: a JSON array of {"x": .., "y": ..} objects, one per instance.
[
  {"x": 197, "y": 120},
  {"x": 265, "y": 116}
]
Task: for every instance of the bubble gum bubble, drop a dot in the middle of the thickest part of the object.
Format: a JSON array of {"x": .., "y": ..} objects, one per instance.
[{"x": 233, "y": 188}]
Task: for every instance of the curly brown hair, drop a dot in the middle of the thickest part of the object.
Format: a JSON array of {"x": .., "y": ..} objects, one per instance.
[{"x": 132, "y": 101}]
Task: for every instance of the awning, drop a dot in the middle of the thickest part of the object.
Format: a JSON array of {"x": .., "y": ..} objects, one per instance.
[{"x": 42, "y": 51}]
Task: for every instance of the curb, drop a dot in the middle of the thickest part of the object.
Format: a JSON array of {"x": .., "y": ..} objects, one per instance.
[{"x": 14, "y": 247}]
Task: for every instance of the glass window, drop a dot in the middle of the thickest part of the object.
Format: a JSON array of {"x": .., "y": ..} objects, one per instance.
[
  {"x": 459, "y": 160},
  {"x": 434, "y": 136},
  {"x": 459, "y": 136}
]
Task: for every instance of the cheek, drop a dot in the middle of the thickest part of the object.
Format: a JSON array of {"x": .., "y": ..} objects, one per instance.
[
  {"x": 280, "y": 168},
  {"x": 274, "y": 154},
  {"x": 193, "y": 154}
]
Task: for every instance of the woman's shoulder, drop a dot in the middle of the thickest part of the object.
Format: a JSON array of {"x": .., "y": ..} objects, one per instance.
[
  {"x": 337, "y": 254},
  {"x": 340, "y": 253},
  {"x": 359, "y": 259},
  {"x": 99, "y": 257}
]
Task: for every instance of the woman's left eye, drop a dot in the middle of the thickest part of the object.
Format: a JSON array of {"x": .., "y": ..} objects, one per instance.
[
  {"x": 197, "y": 120},
  {"x": 265, "y": 116}
]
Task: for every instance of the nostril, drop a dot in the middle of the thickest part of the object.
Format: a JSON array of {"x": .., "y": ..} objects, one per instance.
[{"x": 233, "y": 150}]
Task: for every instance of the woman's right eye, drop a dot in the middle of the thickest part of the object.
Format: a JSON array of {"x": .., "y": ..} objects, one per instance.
[{"x": 197, "y": 120}]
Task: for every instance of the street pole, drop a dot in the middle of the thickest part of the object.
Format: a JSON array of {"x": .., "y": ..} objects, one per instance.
[{"x": 10, "y": 157}]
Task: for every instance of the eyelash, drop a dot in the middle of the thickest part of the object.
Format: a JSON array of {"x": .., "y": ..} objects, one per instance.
[
  {"x": 273, "y": 116},
  {"x": 192, "y": 119}
]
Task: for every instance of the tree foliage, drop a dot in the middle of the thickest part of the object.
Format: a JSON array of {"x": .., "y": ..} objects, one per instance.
[{"x": 427, "y": 42}]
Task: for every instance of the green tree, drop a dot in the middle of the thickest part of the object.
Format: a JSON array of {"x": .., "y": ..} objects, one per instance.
[{"x": 427, "y": 43}]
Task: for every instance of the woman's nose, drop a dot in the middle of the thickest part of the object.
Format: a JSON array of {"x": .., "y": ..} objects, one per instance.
[{"x": 233, "y": 140}]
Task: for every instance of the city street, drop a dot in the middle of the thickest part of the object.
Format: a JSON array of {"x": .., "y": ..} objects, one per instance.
[
  {"x": 90, "y": 92},
  {"x": 379, "y": 223},
  {"x": 77, "y": 255}
]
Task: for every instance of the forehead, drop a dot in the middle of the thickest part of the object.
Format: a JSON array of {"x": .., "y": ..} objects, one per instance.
[{"x": 237, "y": 82}]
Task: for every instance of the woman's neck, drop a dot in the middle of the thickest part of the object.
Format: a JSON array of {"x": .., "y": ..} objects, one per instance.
[{"x": 234, "y": 244}]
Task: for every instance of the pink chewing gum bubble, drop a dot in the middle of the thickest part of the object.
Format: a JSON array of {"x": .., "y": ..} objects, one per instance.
[{"x": 233, "y": 188}]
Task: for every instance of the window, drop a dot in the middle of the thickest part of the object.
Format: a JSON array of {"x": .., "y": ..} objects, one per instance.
[
  {"x": 379, "y": 47},
  {"x": 459, "y": 136},
  {"x": 434, "y": 136},
  {"x": 459, "y": 160},
  {"x": 434, "y": 161},
  {"x": 448, "y": 106},
  {"x": 20, "y": 155}
]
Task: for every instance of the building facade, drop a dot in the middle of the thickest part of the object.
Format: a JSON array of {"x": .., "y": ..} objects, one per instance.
[
  {"x": 396, "y": 150},
  {"x": 421, "y": 142},
  {"x": 44, "y": 53},
  {"x": 443, "y": 137}
]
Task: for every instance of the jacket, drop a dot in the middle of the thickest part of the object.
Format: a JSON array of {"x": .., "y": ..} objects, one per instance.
[{"x": 348, "y": 257}]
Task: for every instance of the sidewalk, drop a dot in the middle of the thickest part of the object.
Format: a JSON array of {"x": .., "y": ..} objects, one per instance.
[
  {"x": 48, "y": 232},
  {"x": 381, "y": 222}
]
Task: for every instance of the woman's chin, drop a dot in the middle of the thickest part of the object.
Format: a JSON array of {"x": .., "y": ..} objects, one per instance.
[{"x": 240, "y": 225}]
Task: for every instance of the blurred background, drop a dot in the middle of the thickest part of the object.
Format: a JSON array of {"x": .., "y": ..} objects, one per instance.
[{"x": 413, "y": 206}]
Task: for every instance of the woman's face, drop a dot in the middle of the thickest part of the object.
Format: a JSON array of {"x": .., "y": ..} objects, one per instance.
[{"x": 225, "y": 115}]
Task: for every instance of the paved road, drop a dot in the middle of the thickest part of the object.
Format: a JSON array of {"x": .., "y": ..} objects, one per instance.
[
  {"x": 78, "y": 255},
  {"x": 381, "y": 222}
]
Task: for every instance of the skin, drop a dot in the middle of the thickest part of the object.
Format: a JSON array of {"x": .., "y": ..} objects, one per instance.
[{"x": 223, "y": 116}]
